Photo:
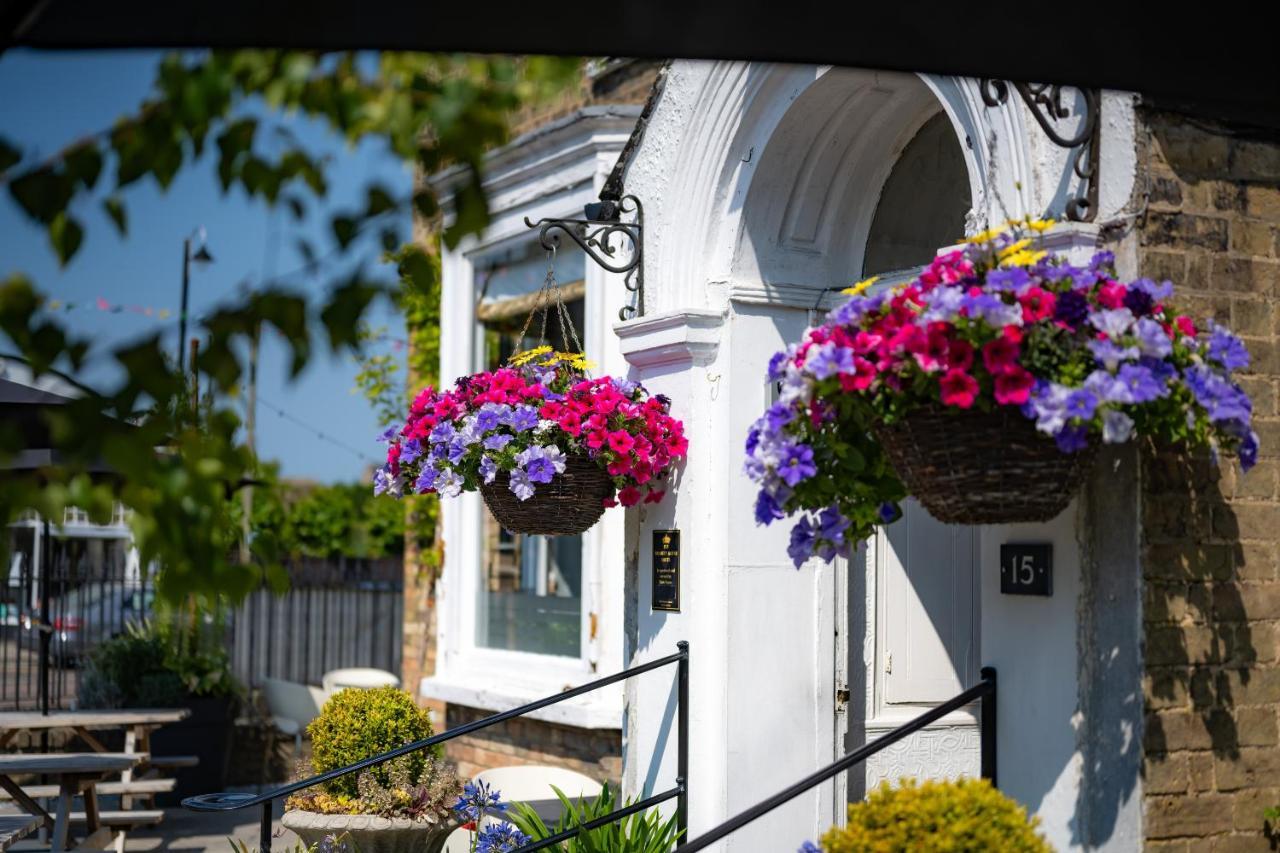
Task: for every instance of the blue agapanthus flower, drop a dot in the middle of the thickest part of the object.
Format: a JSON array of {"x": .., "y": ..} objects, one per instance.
[
  {"x": 500, "y": 838},
  {"x": 476, "y": 800}
]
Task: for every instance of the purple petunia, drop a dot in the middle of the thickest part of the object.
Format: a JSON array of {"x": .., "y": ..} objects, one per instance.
[
  {"x": 802, "y": 541},
  {"x": 488, "y": 469},
  {"x": 1226, "y": 349},
  {"x": 1072, "y": 439},
  {"x": 520, "y": 485},
  {"x": 1080, "y": 404},
  {"x": 1153, "y": 341},
  {"x": 1113, "y": 323},
  {"x": 778, "y": 365},
  {"x": 1117, "y": 427},
  {"x": 521, "y": 418},
  {"x": 498, "y": 441},
  {"x": 490, "y": 416},
  {"x": 994, "y": 310},
  {"x": 410, "y": 451},
  {"x": 767, "y": 508},
  {"x": 829, "y": 360},
  {"x": 796, "y": 464},
  {"x": 1013, "y": 279},
  {"x": 1142, "y": 384},
  {"x": 541, "y": 464},
  {"x": 1072, "y": 308},
  {"x": 388, "y": 434}
]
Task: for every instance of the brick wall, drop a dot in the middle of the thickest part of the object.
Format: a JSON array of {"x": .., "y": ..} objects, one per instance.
[
  {"x": 1212, "y": 592},
  {"x": 596, "y": 753}
]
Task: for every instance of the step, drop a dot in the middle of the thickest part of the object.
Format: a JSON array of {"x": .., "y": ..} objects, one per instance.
[
  {"x": 15, "y": 827},
  {"x": 138, "y": 787},
  {"x": 133, "y": 817}
]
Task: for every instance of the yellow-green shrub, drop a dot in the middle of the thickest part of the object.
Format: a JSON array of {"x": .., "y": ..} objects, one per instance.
[
  {"x": 356, "y": 724},
  {"x": 936, "y": 817}
]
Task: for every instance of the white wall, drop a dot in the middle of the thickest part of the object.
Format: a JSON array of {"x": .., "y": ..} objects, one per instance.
[{"x": 1031, "y": 641}]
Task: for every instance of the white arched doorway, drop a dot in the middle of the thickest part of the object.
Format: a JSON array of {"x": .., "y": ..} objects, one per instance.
[{"x": 767, "y": 189}]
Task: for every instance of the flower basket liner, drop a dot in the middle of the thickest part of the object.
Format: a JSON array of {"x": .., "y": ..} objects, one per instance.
[
  {"x": 975, "y": 467},
  {"x": 571, "y": 503}
]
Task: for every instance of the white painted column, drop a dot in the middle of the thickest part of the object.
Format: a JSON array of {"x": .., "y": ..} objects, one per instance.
[{"x": 761, "y": 633}]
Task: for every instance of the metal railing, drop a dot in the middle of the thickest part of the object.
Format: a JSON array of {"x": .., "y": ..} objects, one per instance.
[
  {"x": 228, "y": 802},
  {"x": 984, "y": 691}
]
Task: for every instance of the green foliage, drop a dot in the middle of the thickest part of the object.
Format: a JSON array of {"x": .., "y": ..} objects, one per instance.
[
  {"x": 161, "y": 663},
  {"x": 356, "y": 724},
  {"x": 344, "y": 519},
  {"x": 936, "y": 817},
  {"x": 430, "y": 110},
  {"x": 642, "y": 832}
]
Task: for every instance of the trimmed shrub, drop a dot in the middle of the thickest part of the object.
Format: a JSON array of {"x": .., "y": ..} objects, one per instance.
[
  {"x": 936, "y": 817},
  {"x": 359, "y": 723}
]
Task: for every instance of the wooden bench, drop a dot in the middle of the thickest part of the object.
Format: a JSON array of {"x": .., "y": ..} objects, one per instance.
[
  {"x": 15, "y": 827},
  {"x": 127, "y": 819},
  {"x": 139, "y": 787},
  {"x": 170, "y": 762}
]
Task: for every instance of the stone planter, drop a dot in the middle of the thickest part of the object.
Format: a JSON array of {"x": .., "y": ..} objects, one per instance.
[{"x": 370, "y": 833}]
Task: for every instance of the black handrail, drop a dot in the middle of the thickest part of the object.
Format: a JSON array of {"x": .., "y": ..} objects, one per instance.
[
  {"x": 984, "y": 690},
  {"x": 228, "y": 802}
]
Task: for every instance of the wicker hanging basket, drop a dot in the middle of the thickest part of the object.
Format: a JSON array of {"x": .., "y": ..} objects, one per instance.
[
  {"x": 974, "y": 467},
  {"x": 568, "y": 505}
]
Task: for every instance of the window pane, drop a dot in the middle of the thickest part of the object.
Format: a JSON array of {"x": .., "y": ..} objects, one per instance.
[{"x": 531, "y": 595}]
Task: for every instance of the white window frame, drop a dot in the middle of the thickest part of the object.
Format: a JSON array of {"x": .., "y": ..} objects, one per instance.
[{"x": 551, "y": 173}]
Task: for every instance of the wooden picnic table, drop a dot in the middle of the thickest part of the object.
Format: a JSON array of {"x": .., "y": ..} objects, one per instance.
[
  {"x": 77, "y": 773},
  {"x": 138, "y": 724}
]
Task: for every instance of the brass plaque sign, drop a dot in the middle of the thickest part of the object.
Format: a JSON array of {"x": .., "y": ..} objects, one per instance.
[{"x": 666, "y": 570}]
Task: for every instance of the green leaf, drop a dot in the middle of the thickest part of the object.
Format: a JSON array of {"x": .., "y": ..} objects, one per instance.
[
  {"x": 83, "y": 164},
  {"x": 66, "y": 235},
  {"x": 9, "y": 155},
  {"x": 344, "y": 230},
  {"x": 114, "y": 208},
  {"x": 42, "y": 193}
]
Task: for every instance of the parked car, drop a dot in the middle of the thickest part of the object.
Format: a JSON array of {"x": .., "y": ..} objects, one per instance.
[{"x": 86, "y": 616}]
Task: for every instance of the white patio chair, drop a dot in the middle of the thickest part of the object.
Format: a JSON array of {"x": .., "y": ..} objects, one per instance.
[
  {"x": 292, "y": 707},
  {"x": 357, "y": 676}
]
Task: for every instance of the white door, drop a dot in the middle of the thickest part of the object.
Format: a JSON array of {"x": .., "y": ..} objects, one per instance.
[{"x": 912, "y": 643}]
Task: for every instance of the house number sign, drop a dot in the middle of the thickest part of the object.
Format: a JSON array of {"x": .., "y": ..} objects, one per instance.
[
  {"x": 1026, "y": 569},
  {"x": 666, "y": 570}
]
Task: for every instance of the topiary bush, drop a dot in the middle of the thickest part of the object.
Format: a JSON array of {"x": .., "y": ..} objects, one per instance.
[
  {"x": 359, "y": 723},
  {"x": 936, "y": 817}
]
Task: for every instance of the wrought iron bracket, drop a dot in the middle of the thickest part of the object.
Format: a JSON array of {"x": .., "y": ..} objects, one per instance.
[
  {"x": 1044, "y": 100},
  {"x": 594, "y": 233}
]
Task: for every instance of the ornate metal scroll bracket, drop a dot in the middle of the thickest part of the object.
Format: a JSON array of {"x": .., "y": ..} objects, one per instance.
[
  {"x": 594, "y": 234},
  {"x": 1045, "y": 102}
]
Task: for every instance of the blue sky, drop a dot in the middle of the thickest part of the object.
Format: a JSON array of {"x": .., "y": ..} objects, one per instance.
[{"x": 50, "y": 99}]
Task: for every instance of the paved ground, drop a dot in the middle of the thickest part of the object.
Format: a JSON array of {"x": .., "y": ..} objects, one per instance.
[{"x": 192, "y": 832}]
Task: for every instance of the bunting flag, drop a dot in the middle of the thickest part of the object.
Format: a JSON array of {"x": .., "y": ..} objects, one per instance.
[{"x": 105, "y": 306}]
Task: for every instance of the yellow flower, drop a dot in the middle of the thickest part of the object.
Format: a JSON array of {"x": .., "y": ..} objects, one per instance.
[
  {"x": 1023, "y": 258},
  {"x": 986, "y": 236},
  {"x": 860, "y": 286},
  {"x": 528, "y": 355},
  {"x": 1013, "y": 248},
  {"x": 583, "y": 363},
  {"x": 1040, "y": 225}
]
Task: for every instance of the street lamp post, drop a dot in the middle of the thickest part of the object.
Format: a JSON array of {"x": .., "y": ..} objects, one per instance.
[{"x": 200, "y": 256}]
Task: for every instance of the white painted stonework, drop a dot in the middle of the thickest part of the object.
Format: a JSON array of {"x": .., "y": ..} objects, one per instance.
[{"x": 760, "y": 183}]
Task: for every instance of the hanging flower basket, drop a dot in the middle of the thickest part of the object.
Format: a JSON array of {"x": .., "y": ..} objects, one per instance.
[
  {"x": 983, "y": 388},
  {"x": 549, "y": 447},
  {"x": 572, "y": 502},
  {"x": 982, "y": 467}
]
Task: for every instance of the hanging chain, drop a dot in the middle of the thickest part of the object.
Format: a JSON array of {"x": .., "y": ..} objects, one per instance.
[{"x": 549, "y": 293}]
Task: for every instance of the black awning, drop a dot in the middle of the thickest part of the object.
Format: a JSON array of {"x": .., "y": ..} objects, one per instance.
[{"x": 1218, "y": 63}]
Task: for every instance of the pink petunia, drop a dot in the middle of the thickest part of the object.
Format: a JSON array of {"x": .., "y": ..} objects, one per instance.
[
  {"x": 1014, "y": 387},
  {"x": 655, "y": 496},
  {"x": 621, "y": 441},
  {"x": 1000, "y": 355},
  {"x": 630, "y": 496},
  {"x": 958, "y": 389},
  {"x": 960, "y": 355},
  {"x": 1037, "y": 304},
  {"x": 1111, "y": 295},
  {"x": 1185, "y": 325}
]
